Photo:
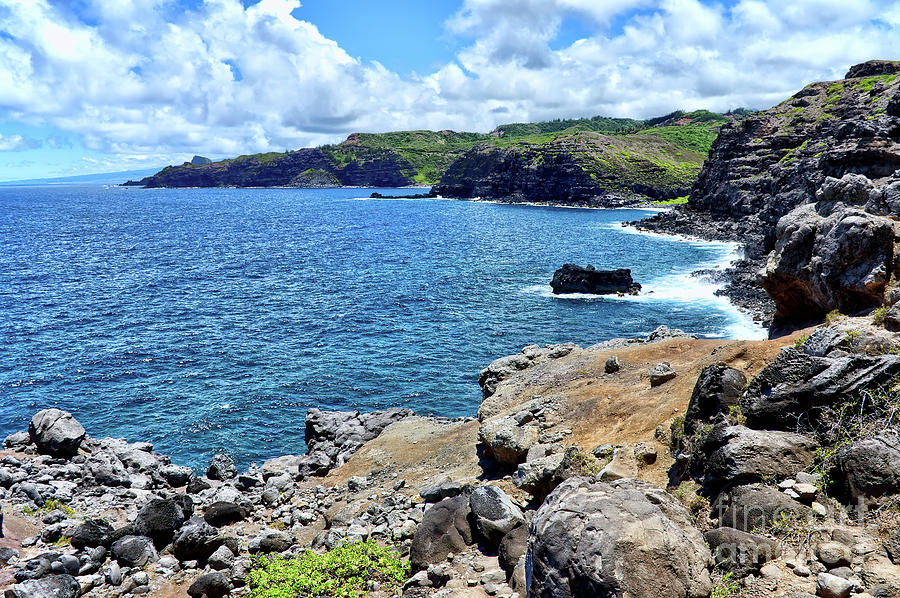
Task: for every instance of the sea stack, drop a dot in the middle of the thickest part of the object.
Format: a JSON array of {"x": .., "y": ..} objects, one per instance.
[{"x": 572, "y": 278}]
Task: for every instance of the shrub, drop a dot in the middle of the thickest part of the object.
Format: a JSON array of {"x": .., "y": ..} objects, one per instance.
[
  {"x": 878, "y": 315},
  {"x": 725, "y": 587},
  {"x": 344, "y": 572},
  {"x": 800, "y": 342},
  {"x": 832, "y": 317}
]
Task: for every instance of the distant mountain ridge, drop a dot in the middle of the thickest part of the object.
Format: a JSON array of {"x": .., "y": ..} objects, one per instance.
[{"x": 406, "y": 158}]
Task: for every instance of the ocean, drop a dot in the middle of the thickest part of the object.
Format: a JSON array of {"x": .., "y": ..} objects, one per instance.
[{"x": 209, "y": 320}]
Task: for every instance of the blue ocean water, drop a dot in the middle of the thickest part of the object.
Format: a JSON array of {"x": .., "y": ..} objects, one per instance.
[{"x": 209, "y": 320}]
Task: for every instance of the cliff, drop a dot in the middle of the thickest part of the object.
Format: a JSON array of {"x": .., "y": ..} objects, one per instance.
[
  {"x": 405, "y": 158},
  {"x": 656, "y": 163},
  {"x": 769, "y": 163}
]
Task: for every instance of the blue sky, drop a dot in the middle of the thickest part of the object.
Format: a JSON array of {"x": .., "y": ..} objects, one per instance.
[{"x": 103, "y": 85}]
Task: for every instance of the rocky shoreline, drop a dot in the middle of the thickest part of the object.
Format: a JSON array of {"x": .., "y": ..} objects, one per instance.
[{"x": 655, "y": 476}]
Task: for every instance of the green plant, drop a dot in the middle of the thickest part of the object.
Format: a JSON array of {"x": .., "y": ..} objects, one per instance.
[
  {"x": 688, "y": 494},
  {"x": 343, "y": 572},
  {"x": 832, "y": 317},
  {"x": 800, "y": 342},
  {"x": 725, "y": 587},
  {"x": 878, "y": 315},
  {"x": 735, "y": 416},
  {"x": 50, "y": 505}
]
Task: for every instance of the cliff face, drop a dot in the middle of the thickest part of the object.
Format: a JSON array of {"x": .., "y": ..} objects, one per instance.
[
  {"x": 761, "y": 168},
  {"x": 581, "y": 169},
  {"x": 301, "y": 168}
]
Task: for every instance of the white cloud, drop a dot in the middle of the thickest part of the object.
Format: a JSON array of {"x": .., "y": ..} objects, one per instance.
[
  {"x": 139, "y": 81},
  {"x": 10, "y": 142}
]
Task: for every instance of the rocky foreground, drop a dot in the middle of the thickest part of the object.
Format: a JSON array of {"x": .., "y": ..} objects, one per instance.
[{"x": 661, "y": 466}]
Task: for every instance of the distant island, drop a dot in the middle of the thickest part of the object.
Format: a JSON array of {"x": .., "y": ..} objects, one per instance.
[{"x": 589, "y": 161}]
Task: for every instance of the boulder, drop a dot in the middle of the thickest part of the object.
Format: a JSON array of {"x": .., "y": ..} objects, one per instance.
[
  {"x": 796, "y": 386},
  {"x": 626, "y": 538},
  {"x": 740, "y": 552},
  {"x": 91, "y": 533},
  {"x": 499, "y": 370},
  {"x": 196, "y": 541},
  {"x": 210, "y": 585},
  {"x": 176, "y": 475},
  {"x": 17, "y": 440},
  {"x": 440, "y": 487},
  {"x": 575, "y": 279},
  {"x": 333, "y": 436},
  {"x": 56, "y": 432},
  {"x": 134, "y": 551},
  {"x": 446, "y": 527},
  {"x": 538, "y": 476},
  {"x": 832, "y": 586},
  {"x": 271, "y": 540},
  {"x": 868, "y": 469},
  {"x": 223, "y": 513},
  {"x": 755, "y": 506},
  {"x": 612, "y": 365},
  {"x": 828, "y": 256},
  {"x": 718, "y": 388},
  {"x": 513, "y": 547},
  {"x": 507, "y": 439},
  {"x": 221, "y": 467},
  {"x": 738, "y": 455},
  {"x": 159, "y": 519},
  {"x": 52, "y": 586},
  {"x": 494, "y": 512},
  {"x": 104, "y": 468},
  {"x": 661, "y": 373}
]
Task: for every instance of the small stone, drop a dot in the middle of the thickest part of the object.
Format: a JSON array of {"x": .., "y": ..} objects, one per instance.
[
  {"x": 802, "y": 571},
  {"x": 785, "y": 484},
  {"x": 833, "y": 554},
  {"x": 819, "y": 509},
  {"x": 806, "y": 492},
  {"x": 770, "y": 571},
  {"x": 356, "y": 483}
]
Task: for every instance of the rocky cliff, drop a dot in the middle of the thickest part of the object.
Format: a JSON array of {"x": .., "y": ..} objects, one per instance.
[
  {"x": 369, "y": 167},
  {"x": 588, "y": 168},
  {"x": 763, "y": 167},
  {"x": 770, "y": 163}
]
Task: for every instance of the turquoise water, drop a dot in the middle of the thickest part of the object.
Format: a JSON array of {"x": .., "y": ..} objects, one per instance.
[{"x": 210, "y": 319}]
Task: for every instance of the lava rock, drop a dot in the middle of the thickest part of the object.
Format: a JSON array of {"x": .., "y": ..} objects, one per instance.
[
  {"x": 740, "y": 552},
  {"x": 661, "y": 373},
  {"x": 868, "y": 469},
  {"x": 221, "y": 467},
  {"x": 196, "y": 540},
  {"x": 494, "y": 512},
  {"x": 575, "y": 279},
  {"x": 755, "y": 506},
  {"x": 718, "y": 388},
  {"x": 271, "y": 540},
  {"x": 56, "y": 432},
  {"x": 91, "y": 533},
  {"x": 210, "y": 585},
  {"x": 159, "y": 519},
  {"x": 223, "y": 513},
  {"x": 53, "y": 586},
  {"x": 627, "y": 538},
  {"x": 134, "y": 551},
  {"x": 445, "y": 528}
]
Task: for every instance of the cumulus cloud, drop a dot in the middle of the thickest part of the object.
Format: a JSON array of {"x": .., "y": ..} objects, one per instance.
[{"x": 146, "y": 79}]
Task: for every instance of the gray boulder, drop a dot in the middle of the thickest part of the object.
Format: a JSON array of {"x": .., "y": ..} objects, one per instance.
[
  {"x": 445, "y": 528},
  {"x": 796, "y": 386},
  {"x": 494, "y": 512},
  {"x": 868, "y": 469},
  {"x": 17, "y": 440},
  {"x": 52, "y": 586},
  {"x": 210, "y": 585},
  {"x": 507, "y": 439},
  {"x": 740, "y": 455},
  {"x": 755, "y": 506},
  {"x": 196, "y": 541},
  {"x": 176, "y": 475},
  {"x": 718, "y": 388},
  {"x": 271, "y": 540},
  {"x": 661, "y": 373},
  {"x": 90, "y": 534},
  {"x": 740, "y": 552},
  {"x": 221, "y": 467},
  {"x": 56, "y": 432},
  {"x": 626, "y": 538},
  {"x": 832, "y": 586},
  {"x": 134, "y": 551},
  {"x": 513, "y": 547},
  {"x": 103, "y": 468},
  {"x": 500, "y": 370},
  {"x": 223, "y": 513},
  {"x": 829, "y": 256}
]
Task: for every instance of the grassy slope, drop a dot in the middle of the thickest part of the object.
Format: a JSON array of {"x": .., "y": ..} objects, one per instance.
[{"x": 430, "y": 153}]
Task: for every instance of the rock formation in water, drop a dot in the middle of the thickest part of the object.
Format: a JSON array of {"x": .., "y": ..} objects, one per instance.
[{"x": 576, "y": 279}]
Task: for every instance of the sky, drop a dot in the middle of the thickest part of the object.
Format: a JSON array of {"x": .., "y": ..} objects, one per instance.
[{"x": 91, "y": 86}]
